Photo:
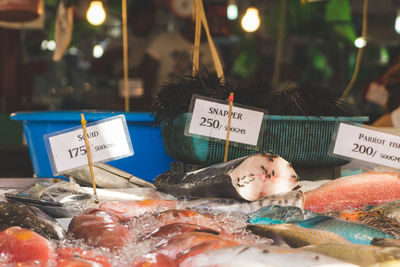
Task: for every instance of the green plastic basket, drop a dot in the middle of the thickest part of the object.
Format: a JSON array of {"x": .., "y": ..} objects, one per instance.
[{"x": 303, "y": 141}]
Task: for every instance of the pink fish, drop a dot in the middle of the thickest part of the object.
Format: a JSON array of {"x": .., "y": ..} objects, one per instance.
[
  {"x": 155, "y": 260},
  {"x": 179, "y": 228},
  {"x": 23, "y": 247},
  {"x": 354, "y": 192},
  {"x": 99, "y": 229},
  {"x": 182, "y": 243},
  {"x": 126, "y": 210}
]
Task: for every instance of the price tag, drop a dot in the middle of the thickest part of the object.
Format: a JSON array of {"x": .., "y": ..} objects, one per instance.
[
  {"x": 367, "y": 145},
  {"x": 210, "y": 118},
  {"x": 109, "y": 140}
]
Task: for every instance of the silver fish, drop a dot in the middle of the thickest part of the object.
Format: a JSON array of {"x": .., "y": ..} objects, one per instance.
[
  {"x": 107, "y": 176},
  {"x": 293, "y": 198}
]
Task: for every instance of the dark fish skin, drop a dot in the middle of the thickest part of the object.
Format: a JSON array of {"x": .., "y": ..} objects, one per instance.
[
  {"x": 250, "y": 178},
  {"x": 29, "y": 217},
  {"x": 215, "y": 186}
]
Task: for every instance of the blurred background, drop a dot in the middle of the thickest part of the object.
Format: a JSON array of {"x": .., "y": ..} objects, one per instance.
[{"x": 320, "y": 41}]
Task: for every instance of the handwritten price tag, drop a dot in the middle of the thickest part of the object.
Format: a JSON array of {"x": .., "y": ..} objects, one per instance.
[
  {"x": 367, "y": 145},
  {"x": 211, "y": 119},
  {"x": 109, "y": 140}
]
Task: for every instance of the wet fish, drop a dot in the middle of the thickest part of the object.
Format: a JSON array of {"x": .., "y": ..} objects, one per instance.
[
  {"x": 255, "y": 256},
  {"x": 126, "y": 210},
  {"x": 179, "y": 228},
  {"x": 279, "y": 214},
  {"x": 155, "y": 260},
  {"x": 385, "y": 242},
  {"x": 107, "y": 176},
  {"x": 250, "y": 178},
  {"x": 23, "y": 247},
  {"x": 354, "y": 192},
  {"x": 293, "y": 198},
  {"x": 296, "y": 236},
  {"x": 68, "y": 256},
  {"x": 29, "y": 217},
  {"x": 371, "y": 218},
  {"x": 354, "y": 232},
  {"x": 390, "y": 209},
  {"x": 99, "y": 229},
  {"x": 363, "y": 255},
  {"x": 59, "y": 200},
  {"x": 183, "y": 242},
  {"x": 193, "y": 217}
]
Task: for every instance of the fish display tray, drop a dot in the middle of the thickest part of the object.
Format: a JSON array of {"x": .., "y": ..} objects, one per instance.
[
  {"x": 149, "y": 158},
  {"x": 303, "y": 141}
]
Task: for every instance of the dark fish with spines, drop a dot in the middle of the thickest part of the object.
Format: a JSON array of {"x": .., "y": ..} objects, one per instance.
[
  {"x": 29, "y": 217},
  {"x": 248, "y": 178}
]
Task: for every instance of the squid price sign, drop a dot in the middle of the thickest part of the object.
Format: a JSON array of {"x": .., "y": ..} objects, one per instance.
[
  {"x": 368, "y": 145},
  {"x": 210, "y": 119},
  {"x": 109, "y": 140}
]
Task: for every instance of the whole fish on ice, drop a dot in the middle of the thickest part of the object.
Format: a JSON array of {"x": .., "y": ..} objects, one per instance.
[
  {"x": 363, "y": 255},
  {"x": 250, "y": 178},
  {"x": 126, "y": 210},
  {"x": 390, "y": 209},
  {"x": 29, "y": 217},
  {"x": 107, "y": 176},
  {"x": 354, "y": 192},
  {"x": 276, "y": 214},
  {"x": 371, "y": 218},
  {"x": 255, "y": 256},
  {"x": 23, "y": 247},
  {"x": 296, "y": 236},
  {"x": 99, "y": 229},
  {"x": 294, "y": 198},
  {"x": 354, "y": 232}
]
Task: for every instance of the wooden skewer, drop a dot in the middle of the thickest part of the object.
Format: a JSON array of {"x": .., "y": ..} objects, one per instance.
[
  {"x": 125, "y": 53},
  {"x": 83, "y": 122},
  {"x": 229, "y": 127}
]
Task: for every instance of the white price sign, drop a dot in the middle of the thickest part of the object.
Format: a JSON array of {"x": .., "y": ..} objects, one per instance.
[
  {"x": 109, "y": 139},
  {"x": 367, "y": 145},
  {"x": 211, "y": 119}
]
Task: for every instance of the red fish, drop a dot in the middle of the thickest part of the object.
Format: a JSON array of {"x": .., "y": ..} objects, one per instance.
[
  {"x": 192, "y": 217},
  {"x": 205, "y": 246},
  {"x": 71, "y": 255},
  {"x": 155, "y": 260},
  {"x": 179, "y": 228},
  {"x": 99, "y": 229},
  {"x": 77, "y": 262},
  {"x": 126, "y": 210},
  {"x": 354, "y": 192},
  {"x": 25, "y": 248},
  {"x": 185, "y": 241}
]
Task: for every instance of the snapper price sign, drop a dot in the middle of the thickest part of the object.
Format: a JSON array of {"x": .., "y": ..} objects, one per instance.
[
  {"x": 108, "y": 139},
  {"x": 210, "y": 120}
]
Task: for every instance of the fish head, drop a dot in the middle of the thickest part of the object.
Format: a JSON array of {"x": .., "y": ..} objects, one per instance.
[{"x": 262, "y": 175}]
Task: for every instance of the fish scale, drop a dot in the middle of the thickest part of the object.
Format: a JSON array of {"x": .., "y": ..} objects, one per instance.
[{"x": 354, "y": 232}]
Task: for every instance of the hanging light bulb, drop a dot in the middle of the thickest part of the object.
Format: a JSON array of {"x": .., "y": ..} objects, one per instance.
[
  {"x": 96, "y": 14},
  {"x": 397, "y": 22},
  {"x": 251, "y": 20},
  {"x": 232, "y": 10},
  {"x": 360, "y": 42}
]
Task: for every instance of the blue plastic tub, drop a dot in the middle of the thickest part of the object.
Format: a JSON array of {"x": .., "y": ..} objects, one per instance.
[{"x": 148, "y": 161}]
